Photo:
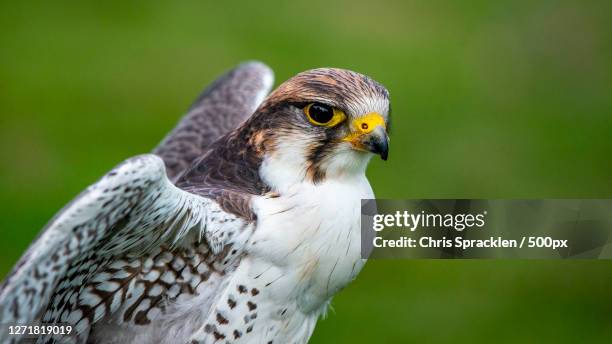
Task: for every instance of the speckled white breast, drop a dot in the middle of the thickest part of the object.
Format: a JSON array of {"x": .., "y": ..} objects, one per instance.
[{"x": 305, "y": 249}]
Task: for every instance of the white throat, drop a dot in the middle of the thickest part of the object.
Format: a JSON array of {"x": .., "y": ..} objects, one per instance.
[
  {"x": 288, "y": 166},
  {"x": 311, "y": 235}
]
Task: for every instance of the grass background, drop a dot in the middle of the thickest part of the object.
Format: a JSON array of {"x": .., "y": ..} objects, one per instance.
[{"x": 503, "y": 99}]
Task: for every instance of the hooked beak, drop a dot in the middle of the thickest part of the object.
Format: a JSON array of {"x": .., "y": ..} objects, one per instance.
[
  {"x": 377, "y": 142},
  {"x": 369, "y": 134}
]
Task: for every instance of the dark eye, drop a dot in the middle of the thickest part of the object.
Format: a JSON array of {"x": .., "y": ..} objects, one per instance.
[
  {"x": 325, "y": 115},
  {"x": 319, "y": 113}
]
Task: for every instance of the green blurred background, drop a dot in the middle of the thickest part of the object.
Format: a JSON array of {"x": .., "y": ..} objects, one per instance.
[{"x": 491, "y": 99}]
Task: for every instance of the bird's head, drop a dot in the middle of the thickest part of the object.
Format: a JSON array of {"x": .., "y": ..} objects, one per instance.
[{"x": 322, "y": 123}]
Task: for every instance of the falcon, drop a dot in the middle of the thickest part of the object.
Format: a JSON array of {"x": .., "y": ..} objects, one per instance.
[{"x": 239, "y": 228}]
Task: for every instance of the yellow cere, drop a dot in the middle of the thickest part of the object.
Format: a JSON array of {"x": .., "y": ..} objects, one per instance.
[{"x": 365, "y": 124}]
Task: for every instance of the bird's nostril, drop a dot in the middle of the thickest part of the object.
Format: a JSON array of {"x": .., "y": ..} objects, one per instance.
[{"x": 364, "y": 126}]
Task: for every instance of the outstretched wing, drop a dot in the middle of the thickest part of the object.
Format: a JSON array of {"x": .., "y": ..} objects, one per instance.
[
  {"x": 132, "y": 209},
  {"x": 225, "y": 104}
]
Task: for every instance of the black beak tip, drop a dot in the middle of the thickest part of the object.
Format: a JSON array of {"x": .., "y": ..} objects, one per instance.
[
  {"x": 378, "y": 143},
  {"x": 384, "y": 155},
  {"x": 380, "y": 147}
]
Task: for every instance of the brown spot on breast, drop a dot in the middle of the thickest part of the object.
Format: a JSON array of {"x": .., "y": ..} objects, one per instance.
[
  {"x": 231, "y": 303},
  {"x": 251, "y": 305},
  {"x": 221, "y": 319},
  {"x": 218, "y": 335}
]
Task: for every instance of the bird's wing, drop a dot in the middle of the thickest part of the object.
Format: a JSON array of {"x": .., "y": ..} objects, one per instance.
[
  {"x": 131, "y": 209},
  {"x": 225, "y": 104}
]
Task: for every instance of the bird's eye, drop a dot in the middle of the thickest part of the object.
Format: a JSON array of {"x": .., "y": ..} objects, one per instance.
[{"x": 323, "y": 115}]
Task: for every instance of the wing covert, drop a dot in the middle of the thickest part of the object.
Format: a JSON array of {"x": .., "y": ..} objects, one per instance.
[{"x": 133, "y": 208}]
